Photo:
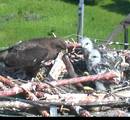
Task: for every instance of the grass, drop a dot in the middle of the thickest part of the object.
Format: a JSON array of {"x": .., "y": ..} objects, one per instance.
[{"x": 26, "y": 19}]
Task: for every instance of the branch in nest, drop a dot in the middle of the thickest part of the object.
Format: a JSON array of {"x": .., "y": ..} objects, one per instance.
[
  {"x": 14, "y": 104},
  {"x": 111, "y": 113},
  {"x": 16, "y": 90},
  {"x": 79, "y": 99},
  {"x": 109, "y": 76},
  {"x": 73, "y": 45},
  {"x": 57, "y": 68},
  {"x": 7, "y": 81},
  {"x": 71, "y": 70},
  {"x": 29, "y": 86},
  {"x": 2, "y": 86}
]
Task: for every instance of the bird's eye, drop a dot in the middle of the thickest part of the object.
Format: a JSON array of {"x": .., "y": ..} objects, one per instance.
[
  {"x": 94, "y": 56},
  {"x": 86, "y": 44}
]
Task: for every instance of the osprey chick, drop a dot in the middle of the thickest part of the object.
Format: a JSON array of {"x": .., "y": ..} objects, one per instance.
[
  {"x": 87, "y": 46},
  {"x": 93, "y": 66}
]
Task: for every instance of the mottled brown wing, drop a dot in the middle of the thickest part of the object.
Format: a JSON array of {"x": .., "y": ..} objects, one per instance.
[{"x": 27, "y": 57}]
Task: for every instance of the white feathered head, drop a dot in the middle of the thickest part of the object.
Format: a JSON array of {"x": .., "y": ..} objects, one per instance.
[
  {"x": 94, "y": 57},
  {"x": 87, "y": 44}
]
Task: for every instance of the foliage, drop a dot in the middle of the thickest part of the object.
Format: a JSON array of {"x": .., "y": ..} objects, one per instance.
[{"x": 26, "y": 19}]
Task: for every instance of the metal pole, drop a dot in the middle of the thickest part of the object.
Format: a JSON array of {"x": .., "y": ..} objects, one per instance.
[
  {"x": 125, "y": 37},
  {"x": 80, "y": 20}
]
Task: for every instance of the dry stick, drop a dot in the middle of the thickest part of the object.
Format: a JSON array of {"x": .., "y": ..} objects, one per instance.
[
  {"x": 33, "y": 103},
  {"x": 73, "y": 45},
  {"x": 74, "y": 99},
  {"x": 109, "y": 76},
  {"x": 72, "y": 74},
  {"x": 111, "y": 113},
  {"x": 18, "y": 89},
  {"x": 21, "y": 103},
  {"x": 83, "y": 100},
  {"x": 69, "y": 66},
  {"x": 3, "y": 87},
  {"x": 11, "y": 92},
  {"x": 7, "y": 81},
  {"x": 70, "y": 69},
  {"x": 42, "y": 110},
  {"x": 57, "y": 68},
  {"x": 32, "y": 96},
  {"x": 14, "y": 104}
]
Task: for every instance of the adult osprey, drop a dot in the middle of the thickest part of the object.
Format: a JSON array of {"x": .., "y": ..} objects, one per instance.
[{"x": 28, "y": 55}]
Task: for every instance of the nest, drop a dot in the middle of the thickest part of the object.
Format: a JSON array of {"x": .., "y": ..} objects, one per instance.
[{"x": 64, "y": 87}]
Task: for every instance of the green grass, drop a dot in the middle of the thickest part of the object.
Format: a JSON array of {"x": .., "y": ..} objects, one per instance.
[{"x": 26, "y": 19}]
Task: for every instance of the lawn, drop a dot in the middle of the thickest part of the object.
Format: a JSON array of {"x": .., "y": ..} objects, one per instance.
[{"x": 26, "y": 19}]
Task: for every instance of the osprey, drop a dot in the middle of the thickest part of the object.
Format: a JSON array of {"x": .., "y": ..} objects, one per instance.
[
  {"x": 28, "y": 55},
  {"x": 94, "y": 67},
  {"x": 92, "y": 58},
  {"x": 87, "y": 46}
]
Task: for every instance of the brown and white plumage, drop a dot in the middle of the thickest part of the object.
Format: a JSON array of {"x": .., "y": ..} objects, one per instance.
[
  {"x": 94, "y": 67},
  {"x": 28, "y": 55}
]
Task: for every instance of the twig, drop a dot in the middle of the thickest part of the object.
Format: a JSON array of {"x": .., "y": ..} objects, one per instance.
[
  {"x": 57, "y": 68},
  {"x": 7, "y": 81},
  {"x": 103, "y": 76},
  {"x": 14, "y": 104},
  {"x": 2, "y": 86},
  {"x": 16, "y": 90},
  {"x": 70, "y": 70},
  {"x": 111, "y": 113},
  {"x": 19, "y": 89}
]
